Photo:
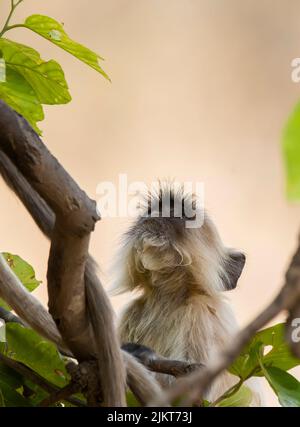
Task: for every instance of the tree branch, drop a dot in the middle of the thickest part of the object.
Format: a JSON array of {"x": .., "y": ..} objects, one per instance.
[
  {"x": 158, "y": 363},
  {"x": 37, "y": 379},
  {"x": 75, "y": 219},
  {"x": 76, "y": 216},
  {"x": 60, "y": 395},
  {"x": 138, "y": 378}
]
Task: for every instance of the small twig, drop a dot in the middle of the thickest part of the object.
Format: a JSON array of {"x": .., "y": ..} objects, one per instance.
[
  {"x": 36, "y": 379},
  {"x": 59, "y": 395},
  {"x": 12, "y": 9}
]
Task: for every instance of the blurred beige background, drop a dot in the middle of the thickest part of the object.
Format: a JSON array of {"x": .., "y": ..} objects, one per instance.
[{"x": 200, "y": 91}]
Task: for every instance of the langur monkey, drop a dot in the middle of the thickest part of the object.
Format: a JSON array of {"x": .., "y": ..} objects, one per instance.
[{"x": 181, "y": 274}]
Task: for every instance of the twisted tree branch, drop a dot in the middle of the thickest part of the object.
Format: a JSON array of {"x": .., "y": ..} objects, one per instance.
[
  {"x": 75, "y": 217},
  {"x": 59, "y": 395}
]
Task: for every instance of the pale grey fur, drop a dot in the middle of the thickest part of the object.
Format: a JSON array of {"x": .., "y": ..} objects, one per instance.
[{"x": 181, "y": 311}]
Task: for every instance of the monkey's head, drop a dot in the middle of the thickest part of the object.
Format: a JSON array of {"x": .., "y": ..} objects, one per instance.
[{"x": 168, "y": 249}]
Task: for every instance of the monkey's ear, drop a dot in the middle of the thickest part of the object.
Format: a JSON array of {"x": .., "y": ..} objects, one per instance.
[{"x": 234, "y": 267}]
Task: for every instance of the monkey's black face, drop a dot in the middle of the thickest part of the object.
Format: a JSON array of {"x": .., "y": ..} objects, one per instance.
[{"x": 234, "y": 266}]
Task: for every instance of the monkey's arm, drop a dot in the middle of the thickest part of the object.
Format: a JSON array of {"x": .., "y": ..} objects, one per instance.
[{"x": 160, "y": 364}]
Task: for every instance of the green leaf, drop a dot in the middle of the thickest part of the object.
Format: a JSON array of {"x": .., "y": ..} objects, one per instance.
[
  {"x": 20, "y": 96},
  {"x": 53, "y": 31},
  {"x": 23, "y": 271},
  {"x": 47, "y": 79},
  {"x": 10, "y": 377},
  {"x": 10, "y": 382},
  {"x": 38, "y": 394},
  {"x": 242, "y": 398},
  {"x": 10, "y": 397},
  {"x": 286, "y": 387},
  {"x": 248, "y": 361},
  {"x": 29, "y": 348},
  {"x": 279, "y": 355},
  {"x": 291, "y": 154}
]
